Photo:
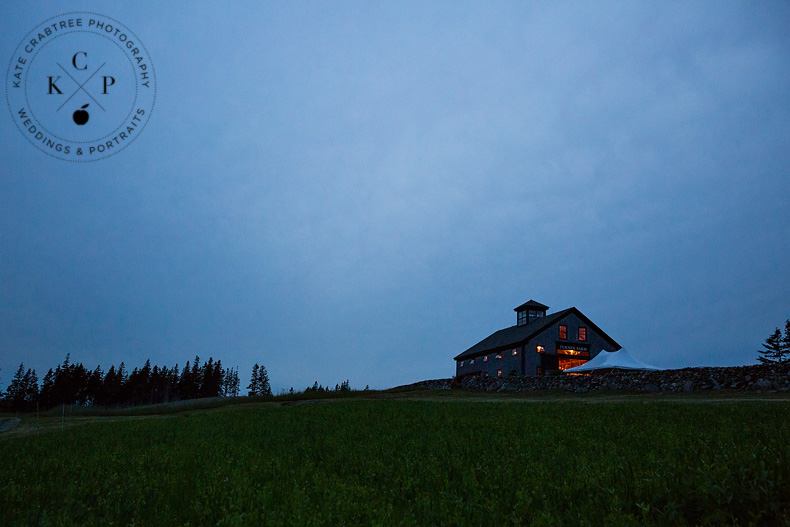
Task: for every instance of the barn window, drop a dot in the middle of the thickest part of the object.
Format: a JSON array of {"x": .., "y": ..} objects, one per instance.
[
  {"x": 515, "y": 352},
  {"x": 498, "y": 355},
  {"x": 540, "y": 349},
  {"x": 564, "y": 364},
  {"x": 563, "y": 332},
  {"x": 522, "y": 318},
  {"x": 485, "y": 358},
  {"x": 582, "y": 334},
  {"x": 499, "y": 373},
  {"x": 472, "y": 361}
]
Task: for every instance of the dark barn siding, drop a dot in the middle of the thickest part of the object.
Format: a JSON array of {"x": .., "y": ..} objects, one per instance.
[{"x": 527, "y": 361}]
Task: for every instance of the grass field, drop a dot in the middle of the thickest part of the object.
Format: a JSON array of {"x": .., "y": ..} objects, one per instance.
[{"x": 407, "y": 462}]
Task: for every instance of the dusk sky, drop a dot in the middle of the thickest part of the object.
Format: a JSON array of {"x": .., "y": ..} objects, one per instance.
[{"x": 363, "y": 190}]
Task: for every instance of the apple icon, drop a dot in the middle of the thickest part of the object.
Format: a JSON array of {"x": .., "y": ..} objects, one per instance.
[{"x": 81, "y": 116}]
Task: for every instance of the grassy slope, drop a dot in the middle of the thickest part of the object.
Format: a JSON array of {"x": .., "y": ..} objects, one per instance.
[{"x": 407, "y": 462}]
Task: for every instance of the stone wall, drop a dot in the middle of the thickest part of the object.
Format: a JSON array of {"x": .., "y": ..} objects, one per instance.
[{"x": 765, "y": 378}]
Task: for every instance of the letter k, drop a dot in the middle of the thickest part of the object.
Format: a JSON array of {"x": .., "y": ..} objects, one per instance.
[{"x": 53, "y": 85}]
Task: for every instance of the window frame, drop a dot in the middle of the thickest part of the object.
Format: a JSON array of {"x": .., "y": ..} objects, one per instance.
[{"x": 563, "y": 332}]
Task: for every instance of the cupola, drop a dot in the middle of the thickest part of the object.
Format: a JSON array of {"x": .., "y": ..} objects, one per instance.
[{"x": 529, "y": 311}]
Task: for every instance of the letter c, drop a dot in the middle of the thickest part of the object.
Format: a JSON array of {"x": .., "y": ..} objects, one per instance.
[{"x": 74, "y": 60}]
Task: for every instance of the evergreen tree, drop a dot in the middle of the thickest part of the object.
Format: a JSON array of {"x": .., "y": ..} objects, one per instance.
[
  {"x": 197, "y": 378},
  {"x": 211, "y": 375},
  {"x": 236, "y": 385},
  {"x": 144, "y": 383},
  {"x": 172, "y": 394},
  {"x": 252, "y": 388},
  {"x": 94, "y": 386},
  {"x": 206, "y": 371},
  {"x": 155, "y": 386},
  {"x": 259, "y": 382},
  {"x": 111, "y": 388},
  {"x": 786, "y": 341},
  {"x": 46, "y": 395},
  {"x": 772, "y": 352},
  {"x": 122, "y": 373},
  {"x": 15, "y": 393},
  {"x": 31, "y": 388},
  {"x": 264, "y": 387},
  {"x": 227, "y": 382},
  {"x": 134, "y": 387},
  {"x": 217, "y": 379},
  {"x": 230, "y": 383},
  {"x": 79, "y": 383},
  {"x": 184, "y": 382}
]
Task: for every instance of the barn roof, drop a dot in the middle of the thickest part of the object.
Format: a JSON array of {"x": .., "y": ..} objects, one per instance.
[
  {"x": 507, "y": 337},
  {"x": 531, "y": 304}
]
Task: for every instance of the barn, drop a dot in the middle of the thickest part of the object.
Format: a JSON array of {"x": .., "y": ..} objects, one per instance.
[{"x": 539, "y": 343}]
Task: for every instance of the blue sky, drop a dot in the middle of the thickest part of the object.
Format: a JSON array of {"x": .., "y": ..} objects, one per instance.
[{"x": 362, "y": 190}]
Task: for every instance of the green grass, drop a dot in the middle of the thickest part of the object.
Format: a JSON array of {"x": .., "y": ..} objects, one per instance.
[{"x": 357, "y": 462}]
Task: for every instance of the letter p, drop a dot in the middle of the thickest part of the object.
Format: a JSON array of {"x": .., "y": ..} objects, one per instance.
[{"x": 107, "y": 84}]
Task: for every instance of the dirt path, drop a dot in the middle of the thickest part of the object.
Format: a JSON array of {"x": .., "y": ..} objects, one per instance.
[
  {"x": 11, "y": 427},
  {"x": 9, "y": 423},
  {"x": 48, "y": 424}
]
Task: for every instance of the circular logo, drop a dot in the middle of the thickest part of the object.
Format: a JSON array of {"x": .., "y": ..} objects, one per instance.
[{"x": 81, "y": 86}]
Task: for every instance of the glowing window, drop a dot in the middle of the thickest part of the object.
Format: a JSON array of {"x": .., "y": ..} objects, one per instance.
[
  {"x": 499, "y": 373},
  {"x": 540, "y": 349},
  {"x": 515, "y": 352},
  {"x": 498, "y": 355},
  {"x": 564, "y": 364},
  {"x": 563, "y": 332},
  {"x": 582, "y": 334},
  {"x": 485, "y": 359}
]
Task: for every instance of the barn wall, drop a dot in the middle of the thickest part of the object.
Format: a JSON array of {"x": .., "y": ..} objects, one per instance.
[{"x": 527, "y": 361}]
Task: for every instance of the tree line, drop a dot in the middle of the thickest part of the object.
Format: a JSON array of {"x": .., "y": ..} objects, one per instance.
[
  {"x": 776, "y": 348},
  {"x": 259, "y": 382},
  {"x": 74, "y": 384}
]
